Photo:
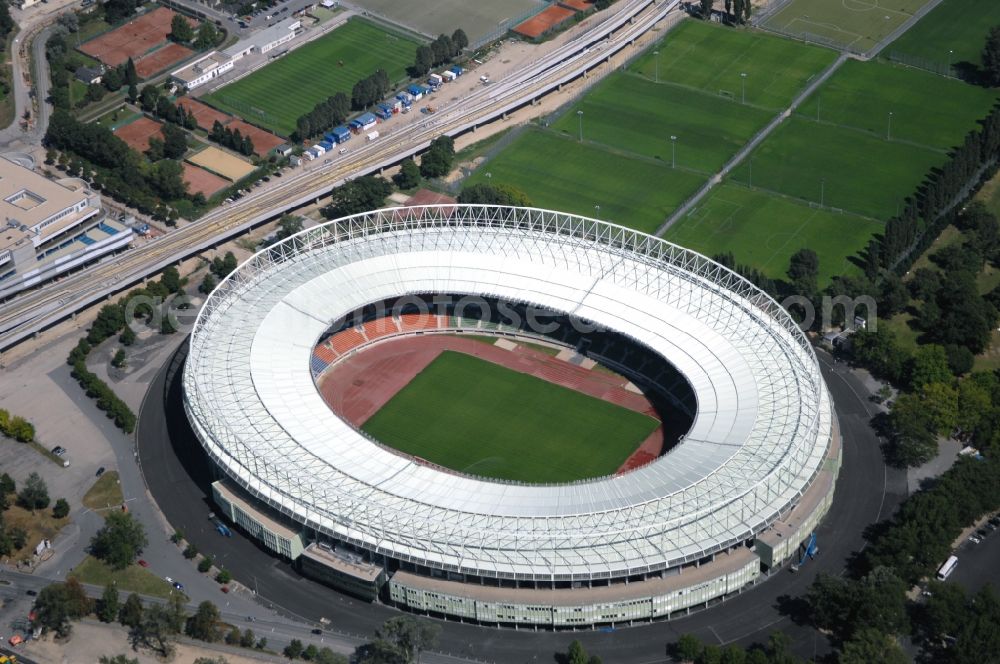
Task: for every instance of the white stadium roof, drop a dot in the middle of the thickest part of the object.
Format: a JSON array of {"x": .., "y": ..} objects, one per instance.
[{"x": 758, "y": 438}]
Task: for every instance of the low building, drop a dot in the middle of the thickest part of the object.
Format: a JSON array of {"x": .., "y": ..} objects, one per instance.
[
  {"x": 202, "y": 70},
  {"x": 49, "y": 227},
  {"x": 89, "y": 75},
  {"x": 343, "y": 571},
  {"x": 265, "y": 40},
  {"x": 284, "y": 539}
]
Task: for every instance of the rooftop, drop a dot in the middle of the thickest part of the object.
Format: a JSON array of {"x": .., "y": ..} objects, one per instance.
[
  {"x": 203, "y": 64},
  {"x": 27, "y": 199},
  {"x": 265, "y": 36}
]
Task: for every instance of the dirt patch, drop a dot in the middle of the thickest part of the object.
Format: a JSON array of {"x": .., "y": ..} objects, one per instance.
[
  {"x": 263, "y": 141},
  {"x": 361, "y": 384},
  {"x": 200, "y": 180},
  {"x": 539, "y": 24},
  {"x": 134, "y": 39},
  {"x": 138, "y": 133},
  {"x": 204, "y": 114},
  {"x": 162, "y": 58},
  {"x": 228, "y": 166}
]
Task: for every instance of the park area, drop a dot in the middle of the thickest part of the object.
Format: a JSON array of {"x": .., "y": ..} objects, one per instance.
[
  {"x": 138, "y": 39},
  {"x": 492, "y": 421},
  {"x": 222, "y": 163},
  {"x": 949, "y": 39},
  {"x": 856, "y": 25},
  {"x": 779, "y": 226},
  {"x": 479, "y": 20},
  {"x": 275, "y": 96}
]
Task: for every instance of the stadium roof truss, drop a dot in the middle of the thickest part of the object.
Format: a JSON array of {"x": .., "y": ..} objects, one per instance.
[{"x": 759, "y": 436}]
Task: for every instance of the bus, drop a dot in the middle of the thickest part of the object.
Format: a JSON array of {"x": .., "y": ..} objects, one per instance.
[{"x": 948, "y": 567}]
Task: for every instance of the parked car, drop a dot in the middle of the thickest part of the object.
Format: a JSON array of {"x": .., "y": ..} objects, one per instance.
[
  {"x": 178, "y": 585},
  {"x": 317, "y": 631},
  {"x": 59, "y": 450},
  {"x": 143, "y": 563},
  {"x": 100, "y": 471},
  {"x": 983, "y": 533},
  {"x": 31, "y": 593},
  {"x": 974, "y": 539}
]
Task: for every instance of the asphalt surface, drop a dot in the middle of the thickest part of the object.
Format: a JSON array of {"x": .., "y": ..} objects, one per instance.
[
  {"x": 866, "y": 491},
  {"x": 977, "y": 564}
]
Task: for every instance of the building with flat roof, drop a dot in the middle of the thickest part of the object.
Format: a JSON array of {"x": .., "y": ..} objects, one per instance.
[
  {"x": 265, "y": 40},
  {"x": 49, "y": 227},
  {"x": 202, "y": 70}
]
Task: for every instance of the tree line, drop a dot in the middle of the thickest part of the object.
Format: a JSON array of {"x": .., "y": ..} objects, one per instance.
[
  {"x": 231, "y": 138},
  {"x": 324, "y": 116},
  {"x": 439, "y": 52},
  {"x": 16, "y": 427}
]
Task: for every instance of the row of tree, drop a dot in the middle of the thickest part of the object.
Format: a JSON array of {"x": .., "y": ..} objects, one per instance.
[
  {"x": 16, "y": 427},
  {"x": 440, "y": 51},
  {"x": 324, "y": 116},
  {"x": 152, "y": 100},
  {"x": 182, "y": 32},
  {"x": 370, "y": 90},
  {"x": 231, "y": 138}
]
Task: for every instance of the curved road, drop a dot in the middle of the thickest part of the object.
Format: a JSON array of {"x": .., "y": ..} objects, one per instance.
[
  {"x": 866, "y": 491},
  {"x": 34, "y": 310}
]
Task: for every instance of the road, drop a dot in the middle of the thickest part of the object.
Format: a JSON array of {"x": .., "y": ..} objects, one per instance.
[
  {"x": 32, "y": 311},
  {"x": 750, "y": 146},
  {"x": 866, "y": 491}
]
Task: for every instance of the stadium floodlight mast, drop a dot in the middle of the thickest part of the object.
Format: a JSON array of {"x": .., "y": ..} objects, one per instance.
[
  {"x": 673, "y": 151},
  {"x": 579, "y": 114},
  {"x": 743, "y": 81},
  {"x": 656, "y": 55}
]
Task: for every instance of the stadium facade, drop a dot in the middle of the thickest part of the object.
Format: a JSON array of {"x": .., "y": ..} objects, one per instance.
[{"x": 735, "y": 499}]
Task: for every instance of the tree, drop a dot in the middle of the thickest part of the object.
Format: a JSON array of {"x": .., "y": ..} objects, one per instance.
[
  {"x": 34, "y": 495},
  {"x": 870, "y": 645},
  {"x": 494, "y": 194},
  {"x": 408, "y": 176},
  {"x": 108, "y": 606},
  {"x": 120, "y": 359},
  {"x": 120, "y": 541},
  {"x": 205, "y": 624},
  {"x": 180, "y": 29},
  {"x": 58, "y": 603},
  {"x": 411, "y": 636},
  {"x": 248, "y": 638},
  {"x": 803, "y": 270},
  {"x": 293, "y": 650},
  {"x": 706, "y": 8},
  {"x": 288, "y": 225},
  {"x": 223, "y": 577},
  {"x": 688, "y": 647},
  {"x": 95, "y": 92},
  {"x": 61, "y": 509},
  {"x": 359, "y": 195},
  {"x": 113, "y": 78},
  {"x": 437, "y": 160},
  {"x": 991, "y": 56},
  {"x": 914, "y": 441},
  {"x": 208, "y": 284},
  {"x": 205, "y": 564},
  {"x": 423, "y": 62},
  {"x": 207, "y": 36},
  {"x": 174, "y": 141},
  {"x": 190, "y": 551},
  {"x": 576, "y": 653},
  {"x": 309, "y": 654},
  {"x": 459, "y": 41},
  {"x": 127, "y": 337},
  {"x": 131, "y": 612},
  {"x": 7, "y": 485},
  {"x": 327, "y": 656},
  {"x": 929, "y": 365},
  {"x": 155, "y": 630},
  {"x": 118, "y": 659}
]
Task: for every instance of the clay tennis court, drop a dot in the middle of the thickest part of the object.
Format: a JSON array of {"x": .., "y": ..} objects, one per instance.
[
  {"x": 204, "y": 114},
  {"x": 132, "y": 40},
  {"x": 539, "y": 24},
  {"x": 263, "y": 141},
  {"x": 162, "y": 58},
  {"x": 363, "y": 383},
  {"x": 138, "y": 133},
  {"x": 578, "y": 5},
  {"x": 201, "y": 181},
  {"x": 228, "y": 166}
]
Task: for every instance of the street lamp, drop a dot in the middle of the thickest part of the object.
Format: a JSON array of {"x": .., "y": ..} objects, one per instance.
[
  {"x": 579, "y": 115},
  {"x": 822, "y": 191},
  {"x": 951, "y": 57},
  {"x": 597, "y": 211},
  {"x": 656, "y": 54},
  {"x": 489, "y": 175},
  {"x": 888, "y": 131},
  {"x": 743, "y": 80},
  {"x": 673, "y": 152}
]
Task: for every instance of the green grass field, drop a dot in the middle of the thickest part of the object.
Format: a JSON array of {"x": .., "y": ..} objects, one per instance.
[
  {"x": 631, "y": 191},
  {"x": 846, "y": 168},
  {"x": 710, "y": 58},
  {"x": 779, "y": 226},
  {"x": 636, "y": 115},
  {"x": 854, "y": 24},
  {"x": 483, "y": 419},
  {"x": 927, "y": 109},
  {"x": 952, "y": 33},
  {"x": 276, "y": 95}
]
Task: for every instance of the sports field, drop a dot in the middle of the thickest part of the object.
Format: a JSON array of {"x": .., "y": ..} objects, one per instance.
[
  {"x": 633, "y": 191},
  {"x": 477, "y": 417},
  {"x": 732, "y": 215},
  {"x": 951, "y": 34},
  {"x": 927, "y": 109},
  {"x": 711, "y": 57},
  {"x": 842, "y": 168},
  {"x": 435, "y": 17},
  {"x": 631, "y": 113},
  {"x": 218, "y": 161},
  {"x": 275, "y": 96},
  {"x": 854, "y": 24}
]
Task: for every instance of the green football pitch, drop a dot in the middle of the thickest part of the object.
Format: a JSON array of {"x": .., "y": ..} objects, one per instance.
[
  {"x": 927, "y": 109},
  {"x": 711, "y": 58},
  {"x": 951, "y": 34},
  {"x": 855, "y": 24},
  {"x": 556, "y": 171},
  {"x": 276, "y": 95},
  {"x": 479, "y": 418},
  {"x": 764, "y": 230}
]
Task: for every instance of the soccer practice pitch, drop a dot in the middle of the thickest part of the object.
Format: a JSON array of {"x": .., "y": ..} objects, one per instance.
[
  {"x": 711, "y": 58},
  {"x": 950, "y": 35},
  {"x": 857, "y": 25},
  {"x": 479, "y": 418},
  {"x": 278, "y": 94},
  {"x": 764, "y": 230}
]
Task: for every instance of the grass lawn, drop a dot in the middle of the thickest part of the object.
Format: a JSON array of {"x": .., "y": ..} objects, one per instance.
[
  {"x": 711, "y": 58},
  {"x": 989, "y": 194},
  {"x": 39, "y": 525},
  {"x": 953, "y": 32},
  {"x": 106, "y": 492},
  {"x": 132, "y": 579},
  {"x": 926, "y": 108},
  {"x": 634, "y": 114},
  {"x": 90, "y": 28},
  {"x": 856, "y": 24},
  {"x": 276, "y": 95},
  {"x": 480, "y": 418},
  {"x": 118, "y": 117},
  {"x": 848, "y": 169},
  {"x": 630, "y": 191},
  {"x": 764, "y": 230}
]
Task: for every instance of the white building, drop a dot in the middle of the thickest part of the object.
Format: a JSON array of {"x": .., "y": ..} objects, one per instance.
[
  {"x": 266, "y": 40},
  {"x": 49, "y": 227},
  {"x": 202, "y": 70}
]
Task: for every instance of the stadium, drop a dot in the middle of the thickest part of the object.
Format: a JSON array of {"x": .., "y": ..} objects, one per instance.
[{"x": 746, "y": 467}]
